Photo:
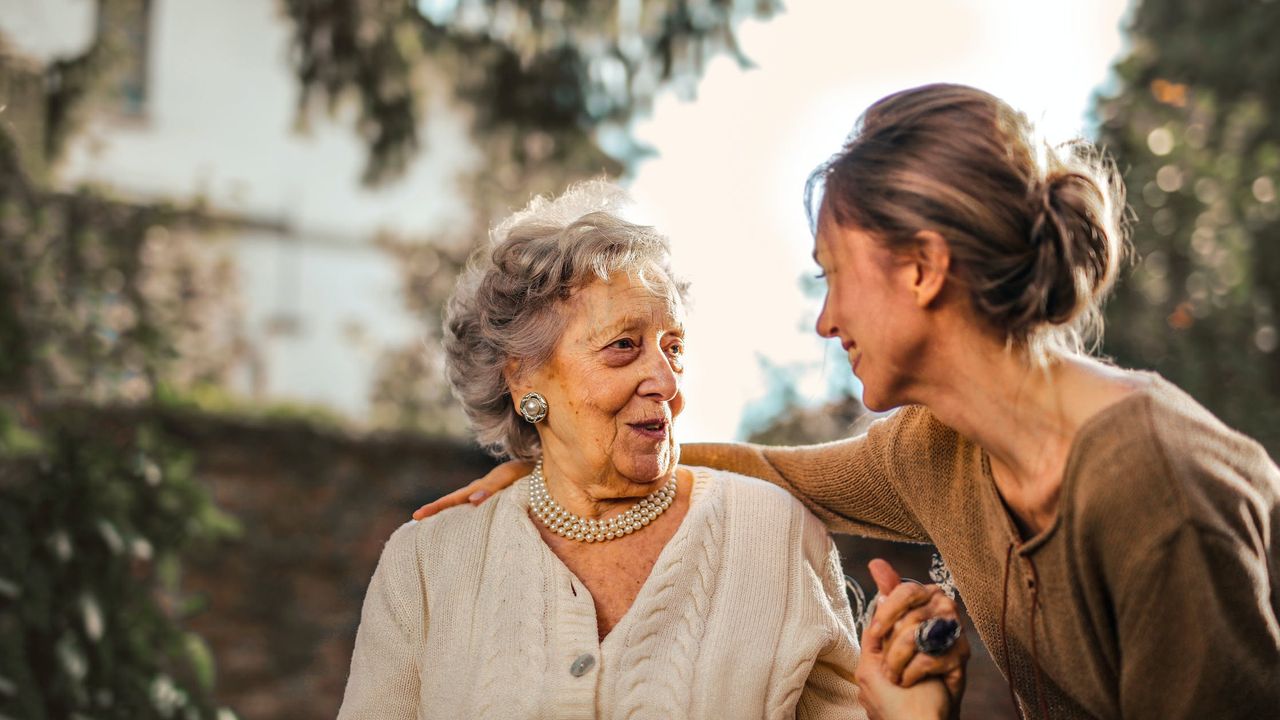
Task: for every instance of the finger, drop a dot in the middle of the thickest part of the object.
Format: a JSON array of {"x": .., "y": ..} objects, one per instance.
[
  {"x": 870, "y": 649},
  {"x": 900, "y": 645},
  {"x": 873, "y": 635},
  {"x": 937, "y": 606},
  {"x": 868, "y": 671},
  {"x": 885, "y": 577},
  {"x": 955, "y": 679},
  {"x": 474, "y": 492},
  {"x": 899, "y": 642},
  {"x": 455, "y": 498},
  {"x": 477, "y": 491},
  {"x": 923, "y": 666},
  {"x": 870, "y": 661},
  {"x": 890, "y": 608},
  {"x": 498, "y": 479}
]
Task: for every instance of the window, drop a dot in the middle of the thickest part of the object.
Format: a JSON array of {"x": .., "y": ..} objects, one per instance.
[{"x": 126, "y": 28}]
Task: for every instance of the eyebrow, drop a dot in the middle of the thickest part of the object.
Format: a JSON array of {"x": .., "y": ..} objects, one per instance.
[{"x": 631, "y": 323}]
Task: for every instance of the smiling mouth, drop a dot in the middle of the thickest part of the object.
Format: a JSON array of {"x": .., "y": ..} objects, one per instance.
[
  {"x": 855, "y": 355},
  {"x": 651, "y": 428}
]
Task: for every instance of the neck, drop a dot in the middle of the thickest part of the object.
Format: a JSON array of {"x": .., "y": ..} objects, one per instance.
[
  {"x": 592, "y": 494},
  {"x": 1024, "y": 415}
]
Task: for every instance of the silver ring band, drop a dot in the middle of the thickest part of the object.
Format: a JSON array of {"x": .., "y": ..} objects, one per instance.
[{"x": 936, "y": 636}]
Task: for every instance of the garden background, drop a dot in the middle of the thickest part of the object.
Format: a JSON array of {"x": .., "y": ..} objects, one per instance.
[{"x": 227, "y": 230}]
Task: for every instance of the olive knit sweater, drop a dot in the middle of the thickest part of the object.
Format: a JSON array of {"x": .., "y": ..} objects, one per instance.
[{"x": 1154, "y": 593}]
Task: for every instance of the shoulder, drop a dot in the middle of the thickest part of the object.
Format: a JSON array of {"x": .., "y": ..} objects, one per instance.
[
  {"x": 757, "y": 503},
  {"x": 915, "y": 430},
  {"x": 745, "y": 493},
  {"x": 395, "y": 590},
  {"x": 465, "y": 517},
  {"x": 454, "y": 532},
  {"x": 1159, "y": 460},
  {"x": 403, "y": 541},
  {"x": 909, "y": 425}
]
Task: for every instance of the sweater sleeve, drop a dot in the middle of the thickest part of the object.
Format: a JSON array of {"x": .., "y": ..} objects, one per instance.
[
  {"x": 384, "y": 682},
  {"x": 1198, "y": 638},
  {"x": 830, "y": 692},
  {"x": 849, "y": 484}
]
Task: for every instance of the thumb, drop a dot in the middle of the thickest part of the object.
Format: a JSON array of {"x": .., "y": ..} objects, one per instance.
[{"x": 885, "y": 577}]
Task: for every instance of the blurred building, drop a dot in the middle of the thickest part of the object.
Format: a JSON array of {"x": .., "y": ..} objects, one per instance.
[{"x": 205, "y": 111}]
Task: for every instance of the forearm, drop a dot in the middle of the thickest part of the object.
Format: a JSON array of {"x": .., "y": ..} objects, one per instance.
[
  {"x": 845, "y": 484},
  {"x": 741, "y": 458}
]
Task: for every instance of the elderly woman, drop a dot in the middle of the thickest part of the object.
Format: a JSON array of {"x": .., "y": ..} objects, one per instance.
[{"x": 610, "y": 582}]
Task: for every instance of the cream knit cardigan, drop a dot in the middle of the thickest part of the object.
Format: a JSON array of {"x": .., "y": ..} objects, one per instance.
[{"x": 470, "y": 615}]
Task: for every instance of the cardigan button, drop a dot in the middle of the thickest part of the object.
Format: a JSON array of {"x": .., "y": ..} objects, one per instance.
[{"x": 582, "y": 665}]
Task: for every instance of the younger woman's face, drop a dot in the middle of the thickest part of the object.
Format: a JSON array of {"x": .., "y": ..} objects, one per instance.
[{"x": 871, "y": 309}]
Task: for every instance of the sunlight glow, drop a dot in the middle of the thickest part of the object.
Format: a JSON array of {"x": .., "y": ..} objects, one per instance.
[{"x": 727, "y": 182}]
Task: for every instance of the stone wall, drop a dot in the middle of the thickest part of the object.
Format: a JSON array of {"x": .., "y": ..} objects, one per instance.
[{"x": 280, "y": 606}]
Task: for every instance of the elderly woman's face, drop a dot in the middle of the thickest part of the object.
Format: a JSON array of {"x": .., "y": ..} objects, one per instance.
[{"x": 613, "y": 386}]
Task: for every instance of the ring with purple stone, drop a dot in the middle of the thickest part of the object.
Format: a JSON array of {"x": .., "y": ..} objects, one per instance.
[{"x": 936, "y": 636}]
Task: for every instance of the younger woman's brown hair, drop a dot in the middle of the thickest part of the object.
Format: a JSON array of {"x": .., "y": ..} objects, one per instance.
[{"x": 1036, "y": 233}]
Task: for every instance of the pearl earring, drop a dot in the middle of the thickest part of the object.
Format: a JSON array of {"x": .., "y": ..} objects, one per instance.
[{"x": 533, "y": 407}]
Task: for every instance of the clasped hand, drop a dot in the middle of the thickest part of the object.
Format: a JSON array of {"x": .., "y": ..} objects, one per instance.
[{"x": 897, "y": 680}]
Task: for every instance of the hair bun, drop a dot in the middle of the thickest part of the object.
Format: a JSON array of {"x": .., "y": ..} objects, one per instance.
[
  {"x": 1074, "y": 243},
  {"x": 1034, "y": 231}
]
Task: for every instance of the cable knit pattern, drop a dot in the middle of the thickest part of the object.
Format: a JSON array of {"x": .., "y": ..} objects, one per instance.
[
  {"x": 662, "y": 645},
  {"x": 780, "y": 703},
  {"x": 742, "y": 617}
]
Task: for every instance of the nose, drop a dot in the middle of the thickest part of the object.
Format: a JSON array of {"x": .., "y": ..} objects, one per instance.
[
  {"x": 661, "y": 379},
  {"x": 826, "y": 327}
]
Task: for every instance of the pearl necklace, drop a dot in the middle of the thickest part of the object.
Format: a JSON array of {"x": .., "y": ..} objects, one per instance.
[{"x": 567, "y": 525}]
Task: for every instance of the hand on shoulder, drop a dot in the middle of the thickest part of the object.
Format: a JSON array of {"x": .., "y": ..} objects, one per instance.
[{"x": 477, "y": 491}]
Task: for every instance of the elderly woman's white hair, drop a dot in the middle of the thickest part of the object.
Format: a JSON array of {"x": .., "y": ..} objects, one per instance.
[{"x": 509, "y": 302}]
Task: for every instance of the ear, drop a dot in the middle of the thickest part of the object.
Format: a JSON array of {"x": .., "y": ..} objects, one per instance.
[
  {"x": 932, "y": 263},
  {"x": 512, "y": 376}
]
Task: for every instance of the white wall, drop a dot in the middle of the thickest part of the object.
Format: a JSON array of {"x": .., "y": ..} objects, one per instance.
[
  {"x": 219, "y": 124},
  {"x": 47, "y": 29}
]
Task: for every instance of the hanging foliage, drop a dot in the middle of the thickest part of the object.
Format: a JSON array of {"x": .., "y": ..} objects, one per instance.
[
  {"x": 97, "y": 301},
  {"x": 559, "y": 68},
  {"x": 93, "y": 521},
  {"x": 1195, "y": 126}
]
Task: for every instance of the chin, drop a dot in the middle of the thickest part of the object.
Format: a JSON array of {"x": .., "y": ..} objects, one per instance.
[
  {"x": 876, "y": 402},
  {"x": 648, "y": 468},
  {"x": 877, "y": 407}
]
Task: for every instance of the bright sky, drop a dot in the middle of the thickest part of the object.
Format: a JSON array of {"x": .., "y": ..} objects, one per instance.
[{"x": 727, "y": 185}]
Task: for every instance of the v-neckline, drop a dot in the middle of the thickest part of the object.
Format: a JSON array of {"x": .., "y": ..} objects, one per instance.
[
  {"x": 1026, "y": 546},
  {"x": 702, "y": 484}
]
